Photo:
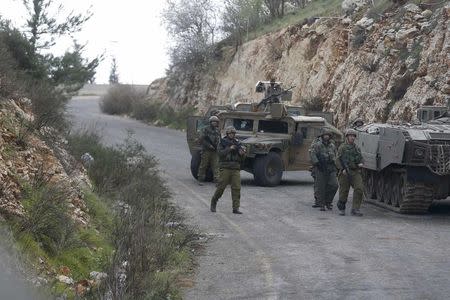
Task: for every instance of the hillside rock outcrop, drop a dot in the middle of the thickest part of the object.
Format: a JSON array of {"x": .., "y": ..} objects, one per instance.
[
  {"x": 379, "y": 67},
  {"x": 26, "y": 158}
]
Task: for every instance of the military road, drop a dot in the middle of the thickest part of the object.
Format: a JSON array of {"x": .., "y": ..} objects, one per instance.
[{"x": 282, "y": 248}]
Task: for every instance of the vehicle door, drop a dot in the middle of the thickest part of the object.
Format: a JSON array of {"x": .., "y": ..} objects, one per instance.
[
  {"x": 305, "y": 134},
  {"x": 194, "y": 126}
]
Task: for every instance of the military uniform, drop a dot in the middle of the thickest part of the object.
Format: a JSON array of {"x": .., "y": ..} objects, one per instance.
[
  {"x": 210, "y": 138},
  {"x": 316, "y": 189},
  {"x": 230, "y": 168},
  {"x": 313, "y": 175},
  {"x": 350, "y": 154},
  {"x": 323, "y": 156}
]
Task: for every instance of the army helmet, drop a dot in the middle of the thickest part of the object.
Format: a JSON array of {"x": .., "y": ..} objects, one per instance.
[
  {"x": 326, "y": 131},
  {"x": 213, "y": 119},
  {"x": 350, "y": 132},
  {"x": 230, "y": 129}
]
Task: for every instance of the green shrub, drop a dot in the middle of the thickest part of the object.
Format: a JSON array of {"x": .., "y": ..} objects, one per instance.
[
  {"x": 313, "y": 103},
  {"x": 176, "y": 119},
  {"x": 120, "y": 99},
  {"x": 47, "y": 218},
  {"x": 125, "y": 99},
  {"x": 155, "y": 253},
  {"x": 162, "y": 114},
  {"x": 48, "y": 104},
  {"x": 359, "y": 37},
  {"x": 109, "y": 168},
  {"x": 146, "y": 110}
]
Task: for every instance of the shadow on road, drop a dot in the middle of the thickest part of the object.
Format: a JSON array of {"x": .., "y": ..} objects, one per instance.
[{"x": 290, "y": 182}]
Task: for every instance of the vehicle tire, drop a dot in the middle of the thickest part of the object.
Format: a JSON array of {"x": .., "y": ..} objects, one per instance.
[
  {"x": 268, "y": 169},
  {"x": 195, "y": 164}
]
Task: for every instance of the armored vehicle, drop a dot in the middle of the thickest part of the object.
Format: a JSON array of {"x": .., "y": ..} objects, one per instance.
[
  {"x": 277, "y": 136},
  {"x": 408, "y": 166}
]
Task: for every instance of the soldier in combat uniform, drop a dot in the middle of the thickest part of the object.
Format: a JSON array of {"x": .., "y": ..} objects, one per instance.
[
  {"x": 209, "y": 138},
  {"x": 323, "y": 154},
  {"x": 349, "y": 161},
  {"x": 231, "y": 154}
]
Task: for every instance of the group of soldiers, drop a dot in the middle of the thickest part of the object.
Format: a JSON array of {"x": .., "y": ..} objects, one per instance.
[
  {"x": 225, "y": 156},
  {"x": 337, "y": 168},
  {"x": 332, "y": 168}
]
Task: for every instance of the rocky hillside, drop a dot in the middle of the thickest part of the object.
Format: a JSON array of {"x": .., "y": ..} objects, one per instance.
[
  {"x": 379, "y": 65},
  {"x": 26, "y": 158},
  {"x": 47, "y": 204}
]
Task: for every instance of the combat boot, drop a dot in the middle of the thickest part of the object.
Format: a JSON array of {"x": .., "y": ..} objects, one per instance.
[
  {"x": 213, "y": 207},
  {"x": 340, "y": 205},
  {"x": 357, "y": 213},
  {"x": 342, "y": 212},
  {"x": 237, "y": 211}
]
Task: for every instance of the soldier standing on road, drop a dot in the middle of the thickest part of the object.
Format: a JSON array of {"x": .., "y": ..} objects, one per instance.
[
  {"x": 349, "y": 161},
  {"x": 323, "y": 155},
  {"x": 231, "y": 154},
  {"x": 210, "y": 138}
]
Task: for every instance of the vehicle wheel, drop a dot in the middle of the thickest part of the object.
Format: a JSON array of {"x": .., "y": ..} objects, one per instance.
[
  {"x": 268, "y": 169},
  {"x": 195, "y": 164},
  {"x": 396, "y": 190},
  {"x": 380, "y": 188},
  {"x": 369, "y": 184}
]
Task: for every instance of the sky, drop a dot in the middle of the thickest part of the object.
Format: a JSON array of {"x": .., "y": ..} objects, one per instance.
[{"x": 129, "y": 30}]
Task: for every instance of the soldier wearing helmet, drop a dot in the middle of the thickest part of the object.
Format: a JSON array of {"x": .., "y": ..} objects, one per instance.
[
  {"x": 231, "y": 154},
  {"x": 210, "y": 137},
  {"x": 323, "y": 153},
  {"x": 349, "y": 162}
]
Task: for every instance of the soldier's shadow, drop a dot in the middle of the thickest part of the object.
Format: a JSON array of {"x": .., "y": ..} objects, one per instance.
[{"x": 289, "y": 182}]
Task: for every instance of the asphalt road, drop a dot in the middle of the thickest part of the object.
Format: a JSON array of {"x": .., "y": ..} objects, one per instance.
[
  {"x": 15, "y": 278},
  {"x": 282, "y": 248}
]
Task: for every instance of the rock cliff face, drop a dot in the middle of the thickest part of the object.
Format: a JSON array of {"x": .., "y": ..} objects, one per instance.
[
  {"x": 380, "y": 68},
  {"x": 25, "y": 157}
]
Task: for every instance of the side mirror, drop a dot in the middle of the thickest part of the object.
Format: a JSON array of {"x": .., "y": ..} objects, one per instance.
[{"x": 297, "y": 139}]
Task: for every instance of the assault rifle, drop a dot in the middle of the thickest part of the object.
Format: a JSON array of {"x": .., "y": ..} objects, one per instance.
[
  {"x": 346, "y": 168},
  {"x": 235, "y": 142},
  {"x": 273, "y": 98},
  {"x": 210, "y": 142}
]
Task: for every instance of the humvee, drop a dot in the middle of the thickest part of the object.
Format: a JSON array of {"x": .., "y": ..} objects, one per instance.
[
  {"x": 277, "y": 137},
  {"x": 407, "y": 166}
]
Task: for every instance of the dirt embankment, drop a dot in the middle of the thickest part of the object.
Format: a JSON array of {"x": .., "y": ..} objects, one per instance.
[{"x": 378, "y": 66}]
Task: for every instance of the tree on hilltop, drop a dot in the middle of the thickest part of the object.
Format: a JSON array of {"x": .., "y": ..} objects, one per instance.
[{"x": 114, "y": 73}]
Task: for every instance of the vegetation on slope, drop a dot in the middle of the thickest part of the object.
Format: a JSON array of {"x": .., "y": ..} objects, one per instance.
[
  {"x": 152, "y": 247},
  {"x": 126, "y": 100}
]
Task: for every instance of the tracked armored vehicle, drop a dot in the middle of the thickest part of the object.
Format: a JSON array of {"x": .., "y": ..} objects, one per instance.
[
  {"x": 407, "y": 166},
  {"x": 277, "y": 136}
]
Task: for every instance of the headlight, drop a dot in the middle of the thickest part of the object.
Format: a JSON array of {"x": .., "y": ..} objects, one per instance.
[{"x": 419, "y": 153}]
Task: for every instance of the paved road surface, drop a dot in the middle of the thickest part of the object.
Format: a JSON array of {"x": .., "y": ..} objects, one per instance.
[
  {"x": 13, "y": 272},
  {"x": 282, "y": 248}
]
